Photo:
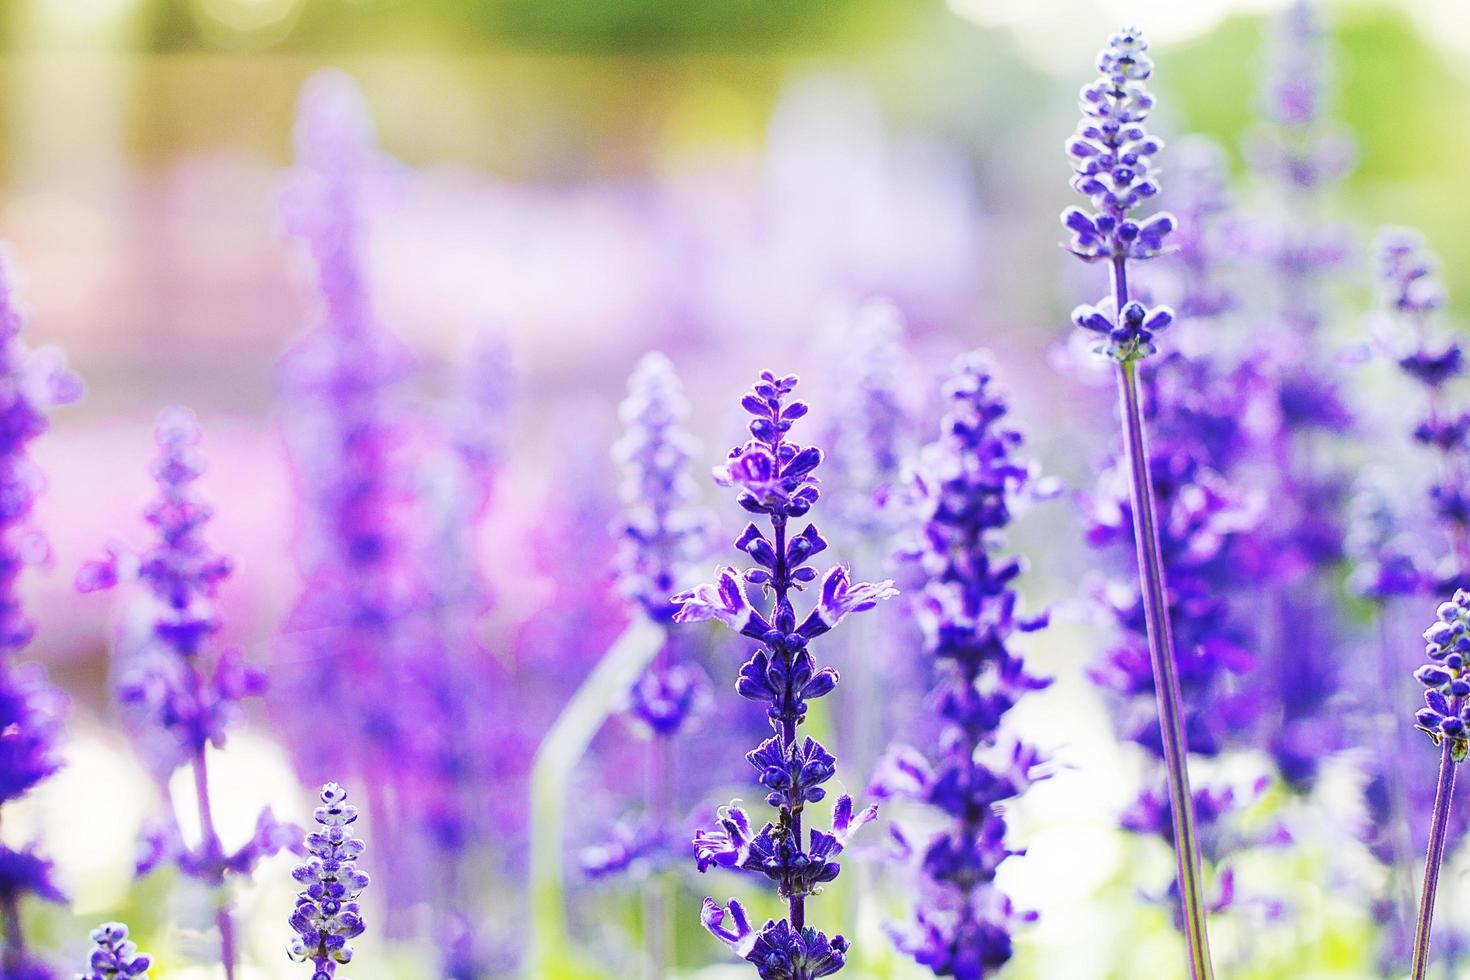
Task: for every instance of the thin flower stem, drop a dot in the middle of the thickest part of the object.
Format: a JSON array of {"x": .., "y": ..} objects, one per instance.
[
  {"x": 1438, "y": 832},
  {"x": 1161, "y": 654},
  {"x": 15, "y": 942},
  {"x": 209, "y": 844},
  {"x": 658, "y": 925}
]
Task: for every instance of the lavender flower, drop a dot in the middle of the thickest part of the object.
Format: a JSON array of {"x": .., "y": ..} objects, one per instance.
[
  {"x": 1112, "y": 156},
  {"x": 327, "y": 914},
  {"x": 1300, "y": 148},
  {"x": 179, "y": 698},
  {"x": 31, "y": 382},
  {"x": 115, "y": 955},
  {"x": 1413, "y": 295},
  {"x": 1445, "y": 718},
  {"x": 339, "y": 381},
  {"x": 774, "y": 478},
  {"x": 967, "y": 609},
  {"x": 659, "y": 532}
]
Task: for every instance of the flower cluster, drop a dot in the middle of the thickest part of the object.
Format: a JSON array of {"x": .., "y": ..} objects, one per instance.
[
  {"x": 1413, "y": 295},
  {"x": 338, "y": 382},
  {"x": 967, "y": 609},
  {"x": 1112, "y": 162},
  {"x": 774, "y": 478},
  {"x": 115, "y": 955},
  {"x": 31, "y": 711},
  {"x": 871, "y": 431},
  {"x": 659, "y": 532},
  {"x": 178, "y": 701},
  {"x": 327, "y": 914},
  {"x": 1446, "y": 712}
]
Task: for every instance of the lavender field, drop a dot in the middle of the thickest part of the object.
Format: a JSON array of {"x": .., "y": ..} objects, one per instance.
[{"x": 650, "y": 489}]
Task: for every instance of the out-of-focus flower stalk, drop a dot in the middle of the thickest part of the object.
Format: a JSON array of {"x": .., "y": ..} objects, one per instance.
[
  {"x": 180, "y": 702},
  {"x": 1438, "y": 832}
]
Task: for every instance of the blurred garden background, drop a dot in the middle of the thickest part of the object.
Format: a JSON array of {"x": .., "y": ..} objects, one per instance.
[{"x": 584, "y": 182}]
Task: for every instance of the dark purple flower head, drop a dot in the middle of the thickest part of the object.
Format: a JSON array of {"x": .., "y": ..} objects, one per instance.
[
  {"x": 778, "y": 951},
  {"x": 969, "y": 941},
  {"x": 774, "y": 478},
  {"x": 1446, "y": 711},
  {"x": 115, "y": 955},
  {"x": 327, "y": 914},
  {"x": 968, "y": 483},
  {"x": 25, "y": 872},
  {"x": 783, "y": 953},
  {"x": 1129, "y": 337},
  {"x": 1112, "y": 158}
]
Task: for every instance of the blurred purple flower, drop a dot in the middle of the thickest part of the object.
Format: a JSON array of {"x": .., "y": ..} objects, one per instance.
[
  {"x": 31, "y": 383},
  {"x": 180, "y": 702},
  {"x": 968, "y": 481}
]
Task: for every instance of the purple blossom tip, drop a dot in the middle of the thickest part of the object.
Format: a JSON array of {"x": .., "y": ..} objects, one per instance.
[
  {"x": 327, "y": 914},
  {"x": 114, "y": 955},
  {"x": 1446, "y": 711},
  {"x": 1112, "y": 159}
]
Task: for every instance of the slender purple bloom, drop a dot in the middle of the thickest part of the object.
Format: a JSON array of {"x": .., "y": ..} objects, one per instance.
[
  {"x": 660, "y": 530},
  {"x": 1445, "y": 718},
  {"x": 115, "y": 955},
  {"x": 774, "y": 479},
  {"x": 327, "y": 914},
  {"x": 1112, "y": 161},
  {"x": 1434, "y": 360},
  {"x": 968, "y": 482},
  {"x": 180, "y": 695},
  {"x": 449, "y": 771},
  {"x": 345, "y": 640},
  {"x": 31, "y": 711}
]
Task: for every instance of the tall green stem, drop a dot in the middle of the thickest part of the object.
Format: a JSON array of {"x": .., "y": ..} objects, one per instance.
[{"x": 1161, "y": 655}]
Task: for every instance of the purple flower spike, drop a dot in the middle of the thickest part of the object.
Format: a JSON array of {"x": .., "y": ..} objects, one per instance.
[
  {"x": 114, "y": 955},
  {"x": 968, "y": 483},
  {"x": 661, "y": 530},
  {"x": 178, "y": 699},
  {"x": 1112, "y": 158},
  {"x": 1432, "y": 359},
  {"x": 31, "y": 711},
  {"x": 327, "y": 914},
  {"x": 1445, "y": 718},
  {"x": 774, "y": 477},
  {"x": 1113, "y": 166}
]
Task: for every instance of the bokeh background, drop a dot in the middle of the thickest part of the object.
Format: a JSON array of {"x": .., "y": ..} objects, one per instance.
[{"x": 590, "y": 181}]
